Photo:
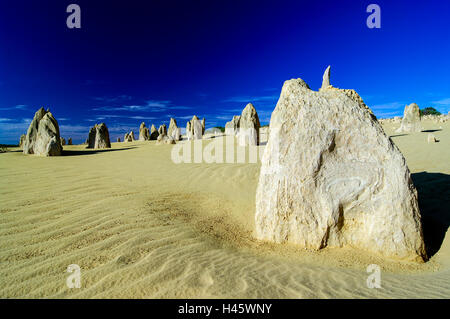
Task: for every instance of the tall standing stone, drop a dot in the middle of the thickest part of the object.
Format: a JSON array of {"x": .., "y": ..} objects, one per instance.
[
  {"x": 22, "y": 140},
  {"x": 173, "y": 132},
  {"x": 153, "y": 133},
  {"x": 249, "y": 126},
  {"x": 231, "y": 127},
  {"x": 43, "y": 135},
  {"x": 326, "y": 78},
  {"x": 144, "y": 134},
  {"x": 69, "y": 141},
  {"x": 331, "y": 177},
  {"x": 162, "y": 130},
  {"x": 411, "y": 119},
  {"x": 99, "y": 137}
]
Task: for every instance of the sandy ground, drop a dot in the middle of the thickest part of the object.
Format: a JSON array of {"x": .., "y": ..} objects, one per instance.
[{"x": 140, "y": 226}]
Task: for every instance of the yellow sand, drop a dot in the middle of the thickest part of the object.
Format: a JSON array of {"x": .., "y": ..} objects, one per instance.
[{"x": 140, "y": 226}]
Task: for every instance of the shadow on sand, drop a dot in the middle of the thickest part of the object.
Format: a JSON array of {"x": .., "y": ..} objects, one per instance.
[
  {"x": 91, "y": 151},
  {"x": 430, "y": 131},
  {"x": 434, "y": 204}
]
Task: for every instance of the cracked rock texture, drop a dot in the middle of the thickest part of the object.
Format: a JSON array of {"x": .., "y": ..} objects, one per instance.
[{"x": 330, "y": 176}]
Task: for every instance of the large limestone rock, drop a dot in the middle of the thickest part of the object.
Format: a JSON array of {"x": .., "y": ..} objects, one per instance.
[
  {"x": 331, "y": 177},
  {"x": 153, "y": 133},
  {"x": 99, "y": 137},
  {"x": 144, "y": 133},
  {"x": 248, "y": 133},
  {"x": 231, "y": 128},
  {"x": 43, "y": 135},
  {"x": 197, "y": 129},
  {"x": 411, "y": 120},
  {"x": 174, "y": 131}
]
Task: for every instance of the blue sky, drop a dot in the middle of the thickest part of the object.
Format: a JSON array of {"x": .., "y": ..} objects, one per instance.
[{"x": 137, "y": 61}]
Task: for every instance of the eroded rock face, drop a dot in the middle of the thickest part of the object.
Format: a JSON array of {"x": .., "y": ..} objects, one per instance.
[
  {"x": 248, "y": 132},
  {"x": 99, "y": 137},
  {"x": 231, "y": 128},
  {"x": 144, "y": 133},
  {"x": 63, "y": 141},
  {"x": 174, "y": 131},
  {"x": 43, "y": 135},
  {"x": 330, "y": 176},
  {"x": 411, "y": 120},
  {"x": 197, "y": 128},
  {"x": 153, "y": 133},
  {"x": 69, "y": 141}
]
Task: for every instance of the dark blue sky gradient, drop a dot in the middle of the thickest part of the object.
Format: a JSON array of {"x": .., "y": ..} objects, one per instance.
[{"x": 135, "y": 61}]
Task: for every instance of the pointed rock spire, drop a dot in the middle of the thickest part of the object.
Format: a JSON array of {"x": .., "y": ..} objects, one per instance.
[{"x": 326, "y": 78}]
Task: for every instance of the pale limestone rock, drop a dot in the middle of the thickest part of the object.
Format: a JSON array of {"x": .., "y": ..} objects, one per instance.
[
  {"x": 248, "y": 132},
  {"x": 174, "y": 131},
  {"x": 197, "y": 128},
  {"x": 331, "y": 177},
  {"x": 231, "y": 128},
  {"x": 411, "y": 120},
  {"x": 99, "y": 137},
  {"x": 144, "y": 133},
  {"x": 43, "y": 135},
  {"x": 326, "y": 78}
]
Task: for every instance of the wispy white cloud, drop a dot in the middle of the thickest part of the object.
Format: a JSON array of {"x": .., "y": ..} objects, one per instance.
[
  {"x": 122, "y": 97},
  {"x": 251, "y": 99},
  {"x": 16, "y": 107},
  {"x": 443, "y": 102}
]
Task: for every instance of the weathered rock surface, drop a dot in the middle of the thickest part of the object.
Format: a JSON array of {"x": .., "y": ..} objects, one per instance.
[
  {"x": 144, "y": 133},
  {"x": 231, "y": 128},
  {"x": 411, "y": 120},
  {"x": 63, "y": 141},
  {"x": 43, "y": 135},
  {"x": 248, "y": 131},
  {"x": 197, "y": 129},
  {"x": 330, "y": 176},
  {"x": 99, "y": 137},
  {"x": 203, "y": 126},
  {"x": 153, "y": 133},
  {"x": 326, "y": 78},
  {"x": 174, "y": 131},
  {"x": 69, "y": 141}
]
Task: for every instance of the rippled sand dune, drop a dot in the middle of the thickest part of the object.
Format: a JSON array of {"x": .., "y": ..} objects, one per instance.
[{"x": 140, "y": 226}]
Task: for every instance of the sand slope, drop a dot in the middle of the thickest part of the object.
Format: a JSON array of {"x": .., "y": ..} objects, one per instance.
[{"x": 141, "y": 226}]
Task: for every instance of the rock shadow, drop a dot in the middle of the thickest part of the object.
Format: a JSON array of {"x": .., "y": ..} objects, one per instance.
[
  {"x": 92, "y": 151},
  {"x": 434, "y": 203}
]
